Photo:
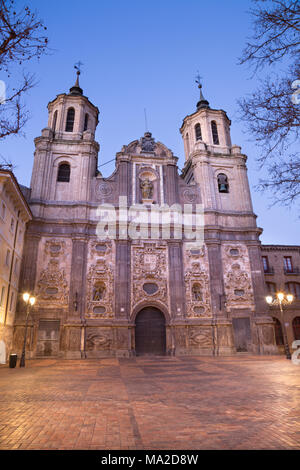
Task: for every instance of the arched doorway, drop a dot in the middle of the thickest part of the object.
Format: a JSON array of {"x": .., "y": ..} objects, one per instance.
[
  {"x": 296, "y": 327},
  {"x": 150, "y": 332},
  {"x": 278, "y": 332}
]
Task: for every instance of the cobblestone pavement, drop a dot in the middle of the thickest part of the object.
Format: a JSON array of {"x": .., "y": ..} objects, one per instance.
[{"x": 151, "y": 403}]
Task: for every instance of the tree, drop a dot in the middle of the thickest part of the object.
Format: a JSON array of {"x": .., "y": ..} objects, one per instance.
[
  {"x": 272, "y": 111},
  {"x": 21, "y": 39}
]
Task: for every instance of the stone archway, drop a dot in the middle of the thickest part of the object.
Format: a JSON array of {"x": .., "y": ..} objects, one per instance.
[{"x": 150, "y": 332}]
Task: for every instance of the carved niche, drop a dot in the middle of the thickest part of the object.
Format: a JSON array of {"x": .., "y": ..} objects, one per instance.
[
  {"x": 197, "y": 291},
  {"x": 52, "y": 285},
  {"x": 149, "y": 273},
  {"x": 100, "y": 281}
]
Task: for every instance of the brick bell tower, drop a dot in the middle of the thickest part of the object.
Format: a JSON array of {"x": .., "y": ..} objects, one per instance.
[
  {"x": 65, "y": 159},
  {"x": 232, "y": 242}
]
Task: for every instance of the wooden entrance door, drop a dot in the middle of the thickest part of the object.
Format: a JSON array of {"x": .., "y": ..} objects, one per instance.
[
  {"x": 242, "y": 334},
  {"x": 150, "y": 332}
]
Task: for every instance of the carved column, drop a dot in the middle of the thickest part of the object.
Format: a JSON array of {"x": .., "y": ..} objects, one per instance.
[
  {"x": 258, "y": 280},
  {"x": 28, "y": 268},
  {"x": 122, "y": 279},
  {"x": 78, "y": 277},
  {"x": 216, "y": 278},
  {"x": 171, "y": 184},
  {"x": 176, "y": 280}
]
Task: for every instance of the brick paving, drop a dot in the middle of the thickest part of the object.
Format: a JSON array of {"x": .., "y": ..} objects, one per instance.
[{"x": 241, "y": 402}]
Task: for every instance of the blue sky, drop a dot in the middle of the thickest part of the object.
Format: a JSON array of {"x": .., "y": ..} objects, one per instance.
[{"x": 141, "y": 54}]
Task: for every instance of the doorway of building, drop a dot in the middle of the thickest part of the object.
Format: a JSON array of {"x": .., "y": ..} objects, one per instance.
[
  {"x": 150, "y": 332},
  {"x": 242, "y": 334}
]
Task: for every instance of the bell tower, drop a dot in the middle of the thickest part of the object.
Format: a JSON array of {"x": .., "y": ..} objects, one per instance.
[
  {"x": 66, "y": 153},
  {"x": 217, "y": 166},
  {"x": 231, "y": 236}
]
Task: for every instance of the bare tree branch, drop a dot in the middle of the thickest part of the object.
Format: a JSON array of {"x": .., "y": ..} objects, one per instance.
[
  {"x": 21, "y": 39},
  {"x": 272, "y": 117}
]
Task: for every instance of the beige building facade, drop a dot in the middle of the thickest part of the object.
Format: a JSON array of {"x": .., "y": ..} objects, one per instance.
[
  {"x": 281, "y": 264},
  {"x": 146, "y": 284},
  {"x": 14, "y": 216}
]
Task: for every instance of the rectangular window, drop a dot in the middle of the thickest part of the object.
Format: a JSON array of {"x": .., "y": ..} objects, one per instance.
[
  {"x": 7, "y": 258},
  {"x": 11, "y": 301},
  {"x": 265, "y": 263},
  {"x": 271, "y": 286},
  {"x": 288, "y": 267},
  {"x": 3, "y": 210},
  {"x": 2, "y": 296},
  {"x": 12, "y": 224},
  {"x": 16, "y": 266}
]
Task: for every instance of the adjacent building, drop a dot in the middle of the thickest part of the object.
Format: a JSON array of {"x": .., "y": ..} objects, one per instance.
[
  {"x": 281, "y": 264},
  {"x": 14, "y": 216}
]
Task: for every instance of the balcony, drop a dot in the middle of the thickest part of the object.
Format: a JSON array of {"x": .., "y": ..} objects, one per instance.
[
  {"x": 291, "y": 271},
  {"x": 269, "y": 270}
]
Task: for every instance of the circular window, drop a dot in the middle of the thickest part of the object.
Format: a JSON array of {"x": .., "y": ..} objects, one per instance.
[{"x": 150, "y": 288}]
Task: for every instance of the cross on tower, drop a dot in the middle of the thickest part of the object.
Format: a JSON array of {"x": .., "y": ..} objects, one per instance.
[
  {"x": 198, "y": 80},
  {"x": 77, "y": 66}
]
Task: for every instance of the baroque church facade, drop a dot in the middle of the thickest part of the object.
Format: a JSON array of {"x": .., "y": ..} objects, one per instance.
[{"x": 100, "y": 296}]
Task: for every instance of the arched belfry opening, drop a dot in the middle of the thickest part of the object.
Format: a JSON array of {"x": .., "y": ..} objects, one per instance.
[{"x": 150, "y": 332}]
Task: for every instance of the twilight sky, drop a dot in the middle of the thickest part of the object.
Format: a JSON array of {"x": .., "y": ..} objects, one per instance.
[{"x": 145, "y": 54}]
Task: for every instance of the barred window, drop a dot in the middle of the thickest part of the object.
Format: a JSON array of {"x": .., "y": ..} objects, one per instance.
[
  {"x": 63, "y": 174},
  {"x": 198, "y": 133},
  {"x": 223, "y": 184},
  {"x": 54, "y": 121},
  {"x": 86, "y": 122},
  {"x": 70, "y": 120},
  {"x": 214, "y": 131}
]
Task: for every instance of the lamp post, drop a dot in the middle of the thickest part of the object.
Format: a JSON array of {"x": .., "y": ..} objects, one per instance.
[
  {"x": 282, "y": 299},
  {"x": 30, "y": 301}
]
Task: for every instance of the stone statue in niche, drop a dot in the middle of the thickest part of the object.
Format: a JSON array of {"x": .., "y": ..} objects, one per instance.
[
  {"x": 197, "y": 294},
  {"x": 98, "y": 292},
  {"x": 147, "y": 189}
]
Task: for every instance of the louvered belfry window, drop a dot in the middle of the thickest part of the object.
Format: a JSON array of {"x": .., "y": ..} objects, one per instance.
[
  {"x": 63, "y": 174},
  {"x": 214, "y": 131},
  {"x": 70, "y": 120},
  {"x": 198, "y": 134}
]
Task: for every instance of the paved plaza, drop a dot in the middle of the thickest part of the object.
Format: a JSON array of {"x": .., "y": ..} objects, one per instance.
[{"x": 241, "y": 402}]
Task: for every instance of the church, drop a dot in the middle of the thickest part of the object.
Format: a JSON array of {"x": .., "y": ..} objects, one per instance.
[{"x": 109, "y": 287}]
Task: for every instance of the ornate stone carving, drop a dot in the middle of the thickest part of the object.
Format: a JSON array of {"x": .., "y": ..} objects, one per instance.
[
  {"x": 197, "y": 292},
  {"x": 100, "y": 281},
  {"x": 104, "y": 190},
  {"x": 101, "y": 248},
  {"x": 200, "y": 337},
  {"x": 147, "y": 142},
  {"x": 55, "y": 247},
  {"x": 98, "y": 339},
  {"x": 149, "y": 266},
  {"x": 238, "y": 285},
  {"x": 52, "y": 285}
]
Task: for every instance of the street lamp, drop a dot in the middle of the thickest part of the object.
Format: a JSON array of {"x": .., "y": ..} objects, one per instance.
[
  {"x": 30, "y": 301},
  {"x": 282, "y": 299}
]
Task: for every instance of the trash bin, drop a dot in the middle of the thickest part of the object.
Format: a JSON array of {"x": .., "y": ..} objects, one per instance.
[{"x": 13, "y": 360}]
